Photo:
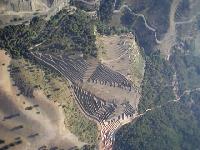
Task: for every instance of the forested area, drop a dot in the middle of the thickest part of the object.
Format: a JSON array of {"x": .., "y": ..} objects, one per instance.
[
  {"x": 118, "y": 4},
  {"x": 188, "y": 70},
  {"x": 106, "y": 29},
  {"x": 156, "y": 13},
  {"x": 145, "y": 37},
  {"x": 156, "y": 85},
  {"x": 105, "y": 13},
  {"x": 17, "y": 39},
  {"x": 106, "y": 10},
  {"x": 172, "y": 126},
  {"x": 64, "y": 32}
]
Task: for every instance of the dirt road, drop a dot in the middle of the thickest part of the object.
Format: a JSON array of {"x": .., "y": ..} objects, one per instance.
[{"x": 170, "y": 37}]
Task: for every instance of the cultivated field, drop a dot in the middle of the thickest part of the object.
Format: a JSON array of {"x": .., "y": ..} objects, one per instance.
[
  {"x": 122, "y": 54},
  {"x": 106, "y": 89}
]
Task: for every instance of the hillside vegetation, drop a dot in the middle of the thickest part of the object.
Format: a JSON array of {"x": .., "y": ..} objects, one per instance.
[
  {"x": 74, "y": 33},
  {"x": 29, "y": 77},
  {"x": 174, "y": 125},
  {"x": 156, "y": 86},
  {"x": 171, "y": 127}
]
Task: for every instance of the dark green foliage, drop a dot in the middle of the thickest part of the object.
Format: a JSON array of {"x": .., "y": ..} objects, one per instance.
[
  {"x": 156, "y": 87},
  {"x": 145, "y": 37},
  {"x": 103, "y": 28},
  {"x": 37, "y": 24},
  {"x": 64, "y": 32},
  {"x": 106, "y": 29},
  {"x": 175, "y": 125},
  {"x": 69, "y": 33},
  {"x": 188, "y": 70},
  {"x": 106, "y": 10},
  {"x": 156, "y": 13},
  {"x": 118, "y": 4},
  {"x": 198, "y": 22},
  {"x": 183, "y": 10},
  {"x": 172, "y": 127},
  {"x": 128, "y": 18},
  {"x": 16, "y": 39},
  {"x": 88, "y": 147},
  {"x": 193, "y": 102}
]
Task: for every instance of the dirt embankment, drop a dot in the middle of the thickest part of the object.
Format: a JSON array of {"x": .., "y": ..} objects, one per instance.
[{"x": 38, "y": 126}]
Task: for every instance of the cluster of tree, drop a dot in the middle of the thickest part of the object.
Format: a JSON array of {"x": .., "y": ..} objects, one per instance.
[
  {"x": 183, "y": 10},
  {"x": 156, "y": 13},
  {"x": 145, "y": 37},
  {"x": 118, "y": 4},
  {"x": 175, "y": 125},
  {"x": 106, "y": 9},
  {"x": 171, "y": 127},
  {"x": 187, "y": 69},
  {"x": 127, "y": 19},
  {"x": 106, "y": 29},
  {"x": 68, "y": 32},
  {"x": 15, "y": 39},
  {"x": 151, "y": 9},
  {"x": 156, "y": 85},
  {"x": 64, "y": 32}
]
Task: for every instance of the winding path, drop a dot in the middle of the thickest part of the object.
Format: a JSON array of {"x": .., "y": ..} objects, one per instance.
[
  {"x": 144, "y": 19},
  {"x": 169, "y": 39}
]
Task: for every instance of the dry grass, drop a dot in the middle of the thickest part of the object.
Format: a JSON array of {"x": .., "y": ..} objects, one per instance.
[
  {"x": 122, "y": 54},
  {"x": 49, "y": 123},
  {"x": 56, "y": 89}
]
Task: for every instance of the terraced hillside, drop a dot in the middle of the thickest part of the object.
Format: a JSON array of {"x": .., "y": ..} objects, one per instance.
[
  {"x": 101, "y": 104},
  {"x": 102, "y": 93}
]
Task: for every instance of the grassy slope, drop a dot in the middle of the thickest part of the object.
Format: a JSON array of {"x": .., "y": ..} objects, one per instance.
[
  {"x": 56, "y": 89},
  {"x": 138, "y": 65}
]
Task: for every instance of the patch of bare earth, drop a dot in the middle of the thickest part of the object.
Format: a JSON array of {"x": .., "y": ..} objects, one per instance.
[{"x": 170, "y": 37}]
